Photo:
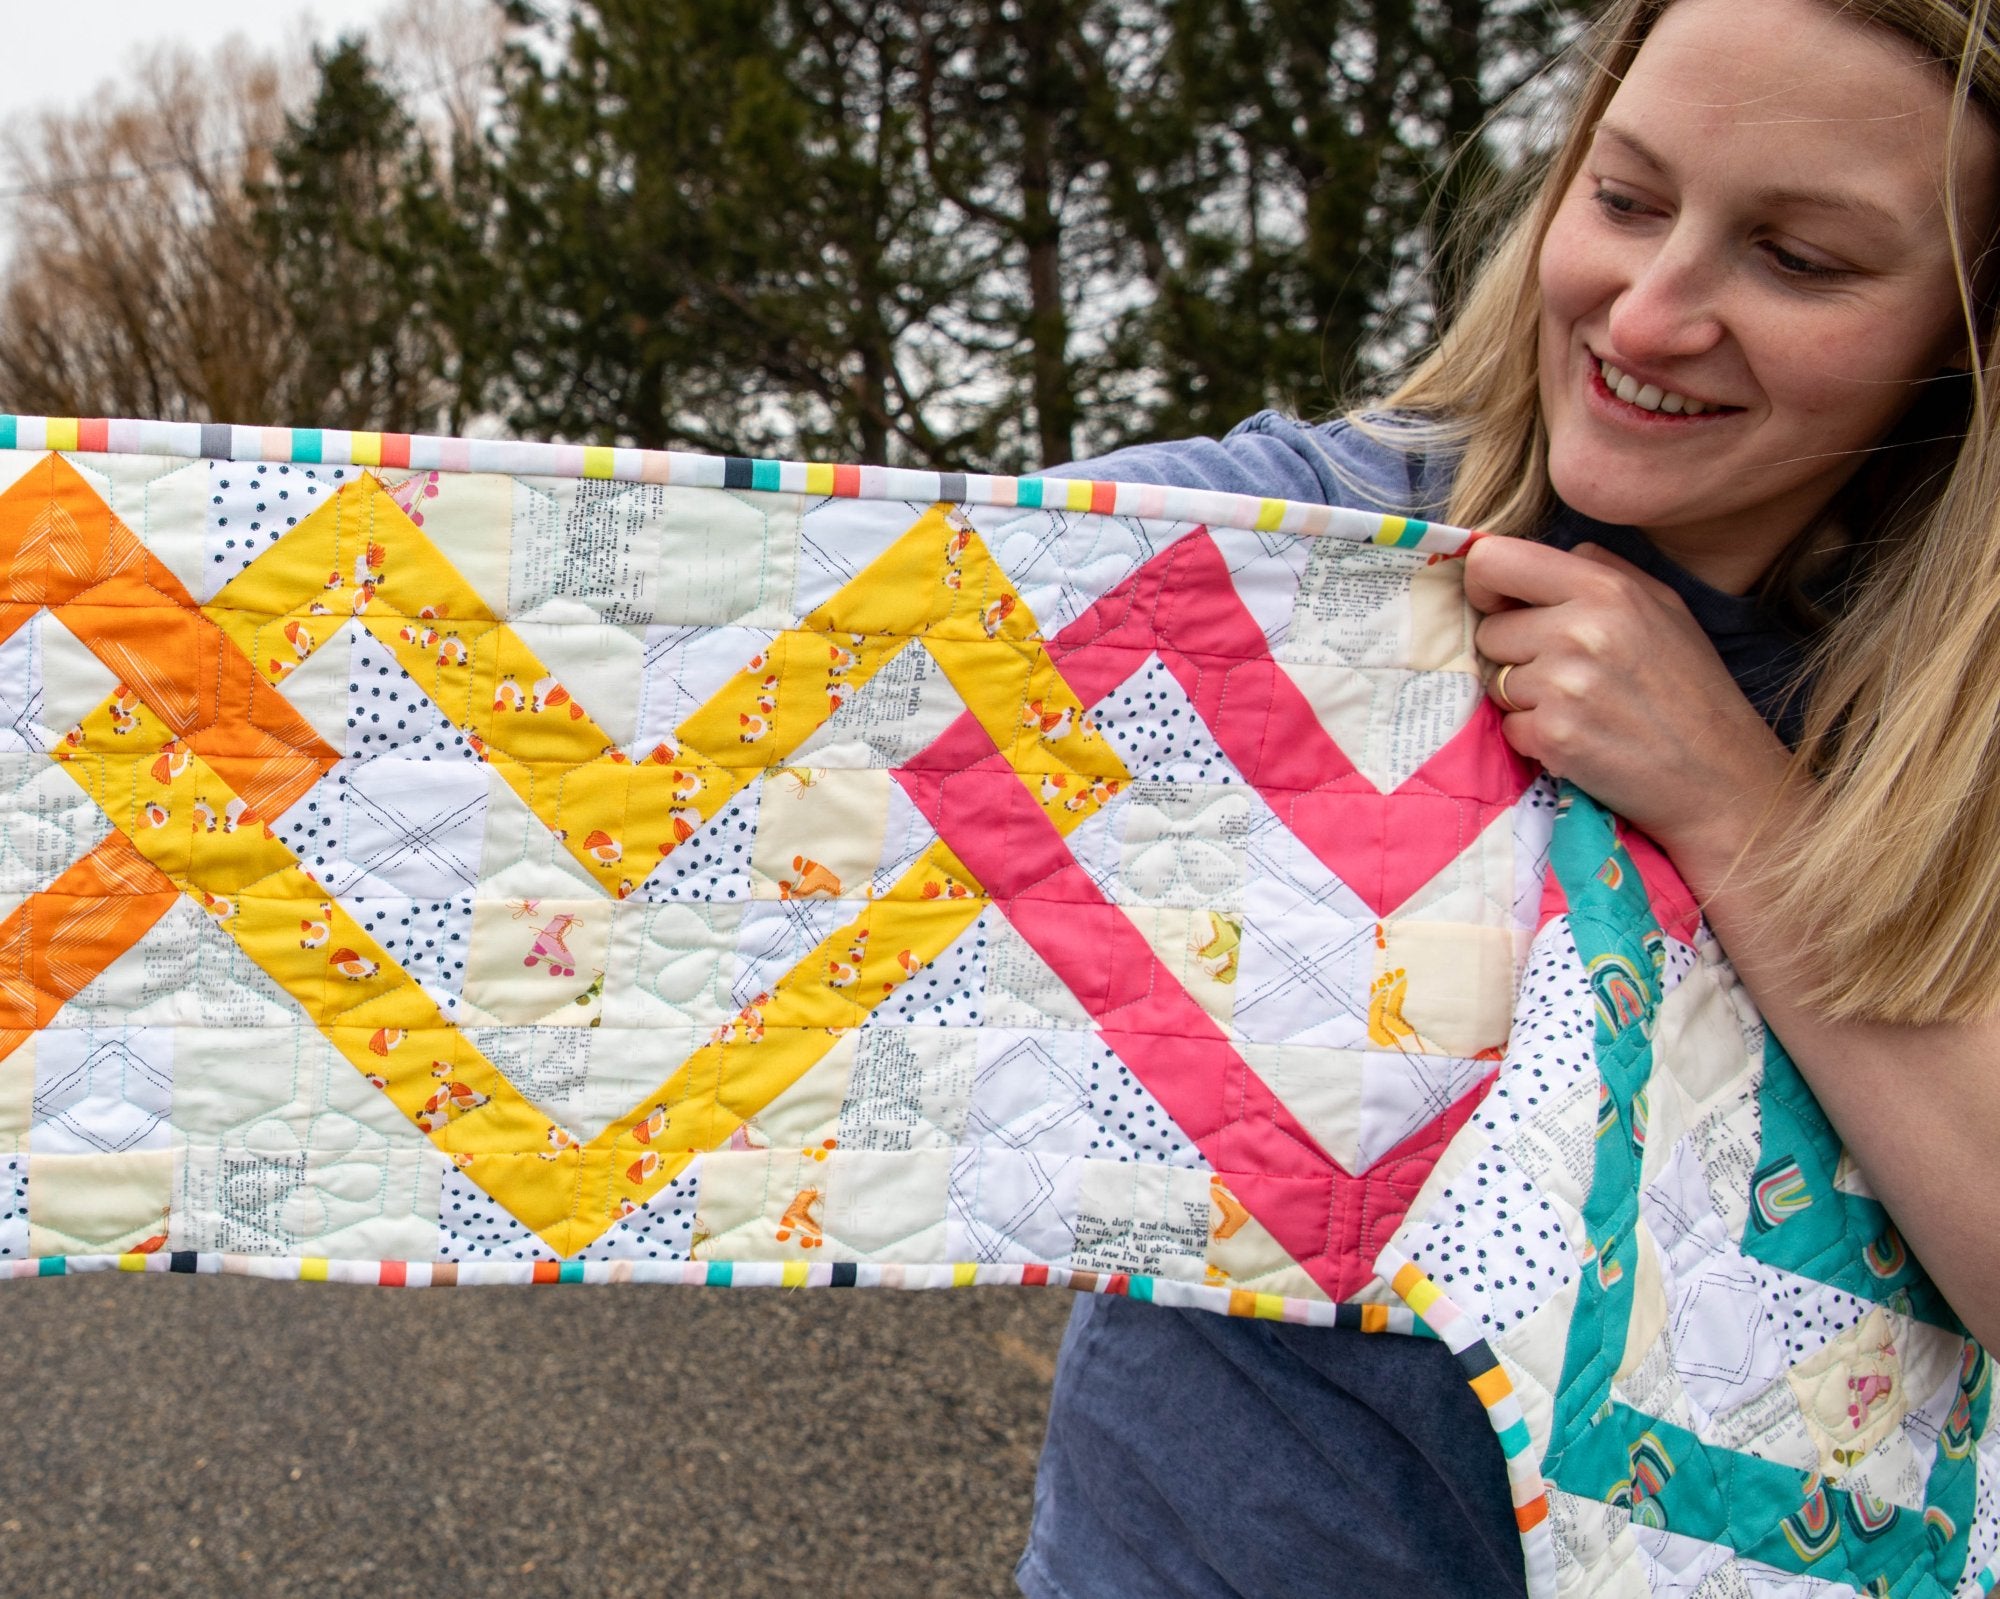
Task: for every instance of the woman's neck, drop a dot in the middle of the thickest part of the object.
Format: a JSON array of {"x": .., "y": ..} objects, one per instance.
[{"x": 1723, "y": 558}]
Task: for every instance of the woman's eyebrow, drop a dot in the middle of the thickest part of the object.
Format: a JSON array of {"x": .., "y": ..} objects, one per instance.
[{"x": 1775, "y": 196}]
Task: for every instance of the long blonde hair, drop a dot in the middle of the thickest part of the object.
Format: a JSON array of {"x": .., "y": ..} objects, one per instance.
[{"x": 1894, "y": 864}]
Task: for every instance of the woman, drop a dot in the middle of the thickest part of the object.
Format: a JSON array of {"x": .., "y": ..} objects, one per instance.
[{"x": 1724, "y": 372}]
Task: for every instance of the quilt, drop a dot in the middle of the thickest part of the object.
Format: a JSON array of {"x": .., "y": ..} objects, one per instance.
[{"x": 431, "y": 862}]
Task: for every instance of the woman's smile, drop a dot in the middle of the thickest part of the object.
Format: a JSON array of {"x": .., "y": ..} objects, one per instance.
[{"x": 1636, "y": 402}]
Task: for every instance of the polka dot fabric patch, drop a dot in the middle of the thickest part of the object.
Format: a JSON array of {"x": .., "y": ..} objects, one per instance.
[
  {"x": 1496, "y": 1240},
  {"x": 1157, "y": 732},
  {"x": 13, "y": 1207},
  {"x": 714, "y": 862},
  {"x": 1131, "y": 1124},
  {"x": 473, "y": 1227},
  {"x": 252, "y": 504}
]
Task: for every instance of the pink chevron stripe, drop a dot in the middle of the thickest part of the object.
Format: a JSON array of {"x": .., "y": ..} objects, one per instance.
[
  {"x": 1332, "y": 1222},
  {"x": 1385, "y": 847},
  {"x": 1667, "y": 892}
]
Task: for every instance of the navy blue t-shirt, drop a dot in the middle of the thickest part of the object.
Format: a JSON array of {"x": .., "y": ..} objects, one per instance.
[{"x": 1207, "y": 1457}]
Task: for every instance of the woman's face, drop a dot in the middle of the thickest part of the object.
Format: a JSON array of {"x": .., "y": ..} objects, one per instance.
[{"x": 1757, "y": 229}]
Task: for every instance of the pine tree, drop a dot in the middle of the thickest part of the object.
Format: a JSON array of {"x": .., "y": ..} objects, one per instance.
[
  {"x": 721, "y": 233},
  {"x": 357, "y": 232},
  {"x": 975, "y": 232}
]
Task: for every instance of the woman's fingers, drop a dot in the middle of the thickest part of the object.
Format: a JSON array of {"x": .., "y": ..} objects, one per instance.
[
  {"x": 1599, "y": 556},
  {"x": 1564, "y": 652},
  {"x": 1604, "y": 678},
  {"x": 1518, "y": 635},
  {"x": 1508, "y": 642},
  {"x": 1500, "y": 572}
]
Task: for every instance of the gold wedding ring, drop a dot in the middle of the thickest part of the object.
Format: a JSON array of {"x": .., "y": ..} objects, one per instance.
[{"x": 1500, "y": 688}]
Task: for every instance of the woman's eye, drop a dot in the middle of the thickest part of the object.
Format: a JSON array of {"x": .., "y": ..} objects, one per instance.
[
  {"x": 1618, "y": 205},
  {"x": 1797, "y": 266}
]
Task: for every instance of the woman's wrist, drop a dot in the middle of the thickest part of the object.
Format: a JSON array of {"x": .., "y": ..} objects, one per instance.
[{"x": 1743, "y": 807}]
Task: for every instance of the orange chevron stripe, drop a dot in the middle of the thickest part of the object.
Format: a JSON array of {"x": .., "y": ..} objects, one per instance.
[
  {"x": 62, "y": 548},
  {"x": 58, "y": 940}
]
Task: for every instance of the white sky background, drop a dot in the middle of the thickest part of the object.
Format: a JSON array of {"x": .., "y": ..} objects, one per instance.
[{"x": 57, "y": 55}]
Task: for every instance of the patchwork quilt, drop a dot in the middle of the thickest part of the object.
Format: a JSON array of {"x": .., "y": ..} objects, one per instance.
[{"x": 441, "y": 862}]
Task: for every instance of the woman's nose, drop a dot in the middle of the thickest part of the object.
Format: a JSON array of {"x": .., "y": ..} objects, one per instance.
[{"x": 1668, "y": 305}]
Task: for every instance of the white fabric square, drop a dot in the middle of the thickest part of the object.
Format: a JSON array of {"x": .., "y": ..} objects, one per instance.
[{"x": 104, "y": 1091}]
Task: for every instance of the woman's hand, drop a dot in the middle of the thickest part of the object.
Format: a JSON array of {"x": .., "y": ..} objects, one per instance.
[{"x": 1612, "y": 684}]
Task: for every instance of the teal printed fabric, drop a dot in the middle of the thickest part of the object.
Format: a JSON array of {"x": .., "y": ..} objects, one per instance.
[{"x": 1738, "y": 1378}]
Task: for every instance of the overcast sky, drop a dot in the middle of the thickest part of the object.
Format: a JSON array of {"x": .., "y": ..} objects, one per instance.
[{"x": 57, "y": 54}]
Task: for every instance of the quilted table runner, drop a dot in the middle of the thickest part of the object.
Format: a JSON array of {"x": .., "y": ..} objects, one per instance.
[{"x": 428, "y": 861}]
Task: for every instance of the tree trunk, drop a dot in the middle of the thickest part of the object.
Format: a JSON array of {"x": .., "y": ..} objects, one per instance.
[{"x": 1050, "y": 379}]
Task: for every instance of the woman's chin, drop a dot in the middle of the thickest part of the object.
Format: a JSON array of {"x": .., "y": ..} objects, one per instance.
[
  {"x": 1603, "y": 503},
  {"x": 1614, "y": 492}
]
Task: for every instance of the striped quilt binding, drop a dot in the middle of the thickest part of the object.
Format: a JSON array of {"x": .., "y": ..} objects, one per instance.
[
  {"x": 1240, "y": 1302},
  {"x": 419, "y": 452},
  {"x": 1461, "y": 1335}
]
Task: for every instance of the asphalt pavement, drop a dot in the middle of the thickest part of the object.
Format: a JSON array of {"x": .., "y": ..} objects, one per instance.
[{"x": 220, "y": 1436}]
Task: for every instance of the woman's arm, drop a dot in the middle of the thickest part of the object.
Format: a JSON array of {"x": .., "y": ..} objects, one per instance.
[
  {"x": 1620, "y": 691},
  {"x": 1269, "y": 454}
]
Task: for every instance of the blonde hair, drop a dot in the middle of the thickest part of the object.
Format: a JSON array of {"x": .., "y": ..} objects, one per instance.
[{"x": 1893, "y": 863}]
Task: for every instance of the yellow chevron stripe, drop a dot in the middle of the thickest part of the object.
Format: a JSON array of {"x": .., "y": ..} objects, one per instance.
[
  {"x": 936, "y": 581},
  {"x": 389, "y": 1028}
]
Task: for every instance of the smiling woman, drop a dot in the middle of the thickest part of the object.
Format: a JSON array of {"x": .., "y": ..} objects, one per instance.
[
  {"x": 1752, "y": 241},
  {"x": 1779, "y": 210},
  {"x": 1724, "y": 380}
]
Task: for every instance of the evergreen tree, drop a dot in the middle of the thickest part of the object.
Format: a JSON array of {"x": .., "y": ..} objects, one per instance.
[
  {"x": 1291, "y": 150},
  {"x": 721, "y": 234},
  {"x": 962, "y": 233},
  {"x": 363, "y": 240},
  {"x": 951, "y": 232},
  {"x": 1018, "y": 123},
  {"x": 984, "y": 232}
]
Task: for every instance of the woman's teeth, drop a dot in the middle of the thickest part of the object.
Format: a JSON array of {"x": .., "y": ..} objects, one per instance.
[{"x": 1650, "y": 397}]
